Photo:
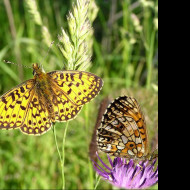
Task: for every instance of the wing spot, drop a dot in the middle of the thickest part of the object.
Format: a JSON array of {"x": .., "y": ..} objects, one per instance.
[
  {"x": 4, "y": 100},
  {"x": 62, "y": 117},
  {"x": 56, "y": 117},
  {"x": 69, "y": 91},
  {"x": 37, "y": 130},
  {"x": 30, "y": 130},
  {"x": 80, "y": 75},
  {"x": 79, "y": 102},
  {"x": 70, "y": 84},
  {"x": 12, "y": 95},
  {"x": 35, "y": 100},
  {"x": 22, "y": 107},
  {"x": 22, "y": 89},
  {"x": 61, "y": 76},
  {"x": 18, "y": 102}
]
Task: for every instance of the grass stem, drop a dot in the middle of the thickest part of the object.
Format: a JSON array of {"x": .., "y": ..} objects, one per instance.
[
  {"x": 62, "y": 159},
  {"x": 63, "y": 155}
]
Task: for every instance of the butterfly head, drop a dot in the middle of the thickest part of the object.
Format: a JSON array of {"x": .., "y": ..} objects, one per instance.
[{"x": 37, "y": 70}]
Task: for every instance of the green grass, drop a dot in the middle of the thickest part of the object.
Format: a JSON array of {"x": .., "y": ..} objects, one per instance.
[{"x": 124, "y": 51}]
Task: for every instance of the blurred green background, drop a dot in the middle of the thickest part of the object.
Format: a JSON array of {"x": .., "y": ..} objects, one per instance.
[{"x": 125, "y": 51}]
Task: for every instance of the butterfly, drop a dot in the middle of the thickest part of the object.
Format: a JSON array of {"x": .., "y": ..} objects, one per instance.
[
  {"x": 35, "y": 104},
  {"x": 123, "y": 132}
]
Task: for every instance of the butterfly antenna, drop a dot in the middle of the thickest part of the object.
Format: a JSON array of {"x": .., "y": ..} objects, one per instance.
[
  {"x": 20, "y": 65},
  {"x": 46, "y": 53}
]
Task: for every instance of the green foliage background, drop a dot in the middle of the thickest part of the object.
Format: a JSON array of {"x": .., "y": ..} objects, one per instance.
[{"x": 125, "y": 50}]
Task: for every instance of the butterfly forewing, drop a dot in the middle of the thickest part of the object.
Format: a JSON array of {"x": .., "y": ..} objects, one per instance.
[
  {"x": 123, "y": 131},
  {"x": 72, "y": 89},
  {"x": 13, "y": 105},
  {"x": 78, "y": 86}
]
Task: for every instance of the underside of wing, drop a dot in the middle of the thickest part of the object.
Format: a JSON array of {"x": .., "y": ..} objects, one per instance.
[{"x": 123, "y": 131}]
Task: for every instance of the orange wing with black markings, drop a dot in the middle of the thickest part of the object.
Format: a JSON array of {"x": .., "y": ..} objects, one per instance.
[{"x": 123, "y": 131}]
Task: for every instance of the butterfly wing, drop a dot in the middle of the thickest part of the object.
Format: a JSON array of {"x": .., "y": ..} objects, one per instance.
[
  {"x": 123, "y": 131},
  {"x": 71, "y": 90},
  {"x": 21, "y": 108},
  {"x": 37, "y": 119},
  {"x": 13, "y": 105}
]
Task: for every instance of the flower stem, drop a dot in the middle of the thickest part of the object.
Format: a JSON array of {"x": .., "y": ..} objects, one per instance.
[
  {"x": 97, "y": 181},
  {"x": 63, "y": 155},
  {"x": 62, "y": 159}
]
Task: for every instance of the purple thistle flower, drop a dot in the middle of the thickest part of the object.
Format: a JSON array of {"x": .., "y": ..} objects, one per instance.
[{"x": 126, "y": 175}]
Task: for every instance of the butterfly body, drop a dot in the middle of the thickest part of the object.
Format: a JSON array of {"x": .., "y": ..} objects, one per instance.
[
  {"x": 55, "y": 96},
  {"x": 123, "y": 130},
  {"x": 43, "y": 87}
]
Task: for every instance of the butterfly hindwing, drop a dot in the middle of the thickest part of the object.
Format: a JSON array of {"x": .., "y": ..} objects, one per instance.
[
  {"x": 64, "y": 109},
  {"x": 37, "y": 119}
]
